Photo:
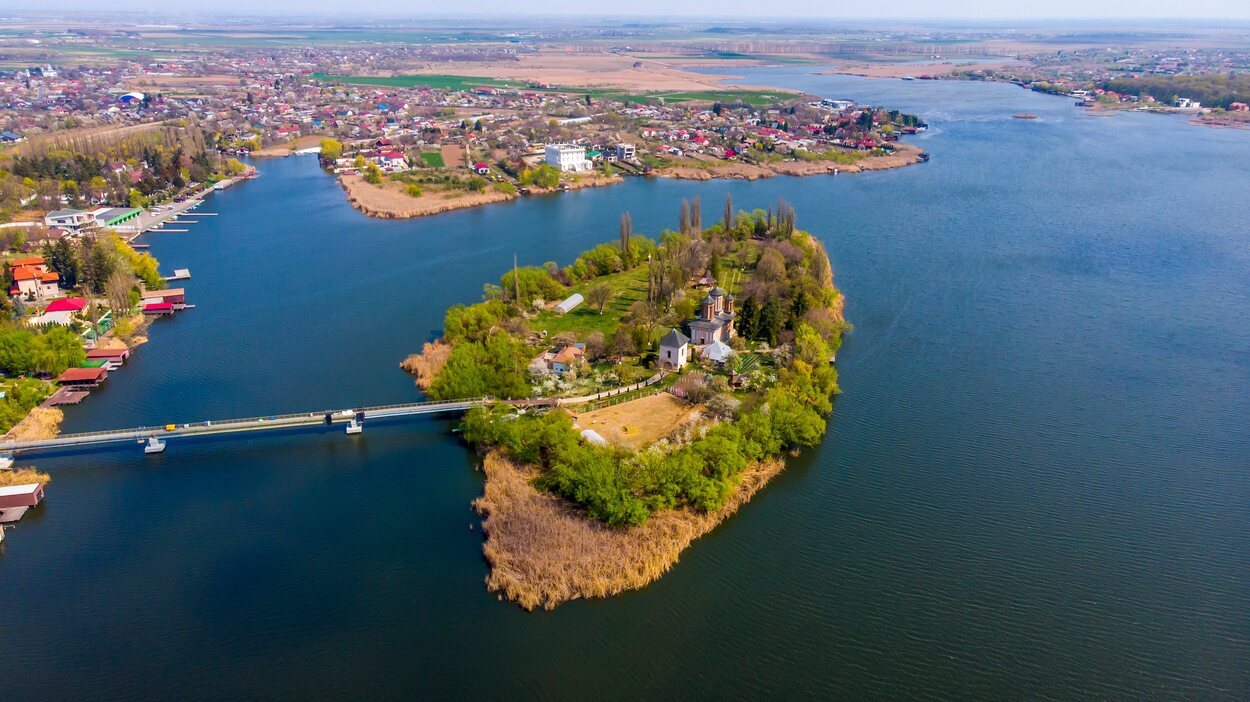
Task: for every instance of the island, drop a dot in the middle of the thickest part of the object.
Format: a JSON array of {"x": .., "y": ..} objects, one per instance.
[{"x": 640, "y": 395}]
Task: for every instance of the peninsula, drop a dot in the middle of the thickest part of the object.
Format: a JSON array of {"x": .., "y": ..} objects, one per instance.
[
  {"x": 644, "y": 393},
  {"x": 441, "y": 159}
]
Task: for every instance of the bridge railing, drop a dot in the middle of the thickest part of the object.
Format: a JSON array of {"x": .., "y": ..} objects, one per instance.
[{"x": 215, "y": 423}]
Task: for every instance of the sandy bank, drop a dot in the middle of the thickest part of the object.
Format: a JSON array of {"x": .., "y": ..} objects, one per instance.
[
  {"x": 544, "y": 552},
  {"x": 288, "y": 148}
]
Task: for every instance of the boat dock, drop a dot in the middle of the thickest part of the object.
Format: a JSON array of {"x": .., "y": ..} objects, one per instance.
[{"x": 179, "y": 274}]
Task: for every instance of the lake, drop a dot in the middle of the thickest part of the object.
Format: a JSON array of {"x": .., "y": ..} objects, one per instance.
[{"x": 1035, "y": 484}]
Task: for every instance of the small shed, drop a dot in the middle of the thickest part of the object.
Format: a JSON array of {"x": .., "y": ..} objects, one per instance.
[
  {"x": 83, "y": 377},
  {"x": 177, "y": 296},
  {"x": 158, "y": 308},
  {"x": 568, "y": 305},
  {"x": 116, "y": 355},
  {"x": 27, "y": 495}
]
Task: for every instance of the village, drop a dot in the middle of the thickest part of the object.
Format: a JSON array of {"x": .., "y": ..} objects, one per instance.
[{"x": 435, "y": 138}]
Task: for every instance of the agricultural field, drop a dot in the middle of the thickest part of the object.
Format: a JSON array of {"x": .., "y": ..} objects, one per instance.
[{"x": 433, "y": 80}]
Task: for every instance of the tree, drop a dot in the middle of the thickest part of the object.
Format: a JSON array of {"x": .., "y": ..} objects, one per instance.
[
  {"x": 683, "y": 217},
  {"x": 17, "y": 356},
  {"x": 728, "y": 219},
  {"x": 373, "y": 174},
  {"x": 771, "y": 321},
  {"x": 63, "y": 260},
  {"x": 627, "y": 229},
  {"x": 596, "y": 345},
  {"x": 771, "y": 267},
  {"x": 117, "y": 289},
  {"x": 646, "y": 315},
  {"x": 599, "y": 296},
  {"x": 331, "y": 149},
  {"x": 56, "y": 350},
  {"x": 747, "y": 322}
]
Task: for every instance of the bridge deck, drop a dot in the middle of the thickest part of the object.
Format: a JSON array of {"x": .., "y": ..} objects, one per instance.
[{"x": 233, "y": 426}]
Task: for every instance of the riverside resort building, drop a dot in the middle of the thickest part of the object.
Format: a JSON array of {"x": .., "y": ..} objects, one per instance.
[{"x": 568, "y": 158}]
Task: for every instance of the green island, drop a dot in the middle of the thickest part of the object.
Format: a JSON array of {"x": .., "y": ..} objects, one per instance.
[{"x": 643, "y": 393}]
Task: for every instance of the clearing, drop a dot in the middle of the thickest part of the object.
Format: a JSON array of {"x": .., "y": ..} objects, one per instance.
[{"x": 636, "y": 423}]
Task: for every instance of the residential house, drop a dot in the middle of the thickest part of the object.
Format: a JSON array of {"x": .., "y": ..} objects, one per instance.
[
  {"x": 60, "y": 312},
  {"x": 33, "y": 281},
  {"x": 567, "y": 357},
  {"x": 74, "y": 221}
]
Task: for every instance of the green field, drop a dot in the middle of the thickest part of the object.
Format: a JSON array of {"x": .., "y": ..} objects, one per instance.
[
  {"x": 627, "y": 288},
  {"x": 750, "y": 97},
  {"x": 433, "y": 159},
  {"x": 437, "y": 81}
]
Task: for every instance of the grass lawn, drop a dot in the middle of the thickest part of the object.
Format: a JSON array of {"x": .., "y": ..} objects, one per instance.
[
  {"x": 433, "y": 159},
  {"x": 627, "y": 288}
]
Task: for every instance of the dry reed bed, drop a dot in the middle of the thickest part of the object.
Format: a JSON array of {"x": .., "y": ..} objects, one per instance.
[
  {"x": 427, "y": 364},
  {"x": 23, "y": 476},
  {"x": 41, "y": 423},
  {"x": 544, "y": 552}
]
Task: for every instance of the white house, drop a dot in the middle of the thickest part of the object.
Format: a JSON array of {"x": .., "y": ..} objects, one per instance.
[
  {"x": 625, "y": 152},
  {"x": 674, "y": 350},
  {"x": 569, "y": 158}
]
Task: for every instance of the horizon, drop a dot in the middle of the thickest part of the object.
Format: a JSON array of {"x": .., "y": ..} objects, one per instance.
[{"x": 728, "y": 12}]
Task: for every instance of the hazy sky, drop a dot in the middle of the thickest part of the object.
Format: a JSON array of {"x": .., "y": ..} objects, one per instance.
[{"x": 704, "y": 9}]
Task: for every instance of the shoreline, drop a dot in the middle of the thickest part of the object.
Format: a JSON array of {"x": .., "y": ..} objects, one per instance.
[
  {"x": 43, "y": 422},
  {"x": 579, "y": 505},
  {"x": 385, "y": 203},
  {"x": 544, "y": 551},
  {"x": 905, "y": 155}
]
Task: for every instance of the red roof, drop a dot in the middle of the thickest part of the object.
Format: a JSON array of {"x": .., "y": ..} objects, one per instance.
[
  {"x": 158, "y": 306},
  {"x": 68, "y": 304},
  {"x": 78, "y": 375},
  {"x": 106, "y": 353}
]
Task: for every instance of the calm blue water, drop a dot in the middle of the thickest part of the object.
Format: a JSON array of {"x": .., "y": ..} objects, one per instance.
[{"x": 1035, "y": 485}]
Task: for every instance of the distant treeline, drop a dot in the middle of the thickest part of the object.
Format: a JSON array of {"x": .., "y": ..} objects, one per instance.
[{"x": 1211, "y": 90}]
